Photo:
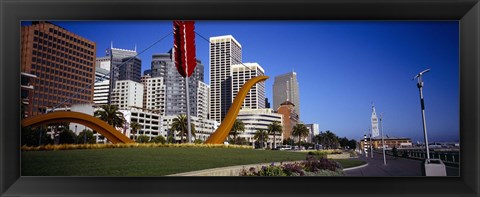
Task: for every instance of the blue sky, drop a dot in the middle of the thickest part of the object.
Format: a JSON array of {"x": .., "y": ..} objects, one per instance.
[{"x": 342, "y": 66}]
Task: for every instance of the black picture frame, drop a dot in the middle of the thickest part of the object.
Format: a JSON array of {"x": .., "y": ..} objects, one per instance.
[{"x": 12, "y": 12}]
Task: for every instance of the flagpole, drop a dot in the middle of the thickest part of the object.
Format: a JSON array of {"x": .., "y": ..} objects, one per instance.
[{"x": 189, "y": 127}]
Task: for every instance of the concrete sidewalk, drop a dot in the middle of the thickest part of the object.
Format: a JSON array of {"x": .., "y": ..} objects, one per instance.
[{"x": 395, "y": 167}]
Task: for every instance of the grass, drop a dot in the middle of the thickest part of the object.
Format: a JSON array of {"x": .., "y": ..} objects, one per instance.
[
  {"x": 157, "y": 161},
  {"x": 348, "y": 163}
]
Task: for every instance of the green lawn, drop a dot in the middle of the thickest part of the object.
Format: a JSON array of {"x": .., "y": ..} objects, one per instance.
[
  {"x": 143, "y": 161},
  {"x": 348, "y": 163}
]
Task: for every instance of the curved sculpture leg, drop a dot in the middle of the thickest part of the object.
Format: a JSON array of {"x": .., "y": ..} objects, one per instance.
[
  {"x": 68, "y": 116},
  {"x": 219, "y": 136}
]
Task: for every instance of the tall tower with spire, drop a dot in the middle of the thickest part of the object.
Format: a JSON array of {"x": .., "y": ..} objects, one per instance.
[{"x": 375, "y": 132}]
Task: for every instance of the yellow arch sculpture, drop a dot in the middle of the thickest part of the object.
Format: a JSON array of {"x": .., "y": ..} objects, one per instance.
[
  {"x": 92, "y": 122},
  {"x": 219, "y": 136}
]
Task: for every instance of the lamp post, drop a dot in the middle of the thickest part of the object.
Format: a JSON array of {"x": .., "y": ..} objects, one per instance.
[
  {"x": 76, "y": 140},
  {"x": 420, "y": 85},
  {"x": 84, "y": 135},
  {"x": 383, "y": 141}
]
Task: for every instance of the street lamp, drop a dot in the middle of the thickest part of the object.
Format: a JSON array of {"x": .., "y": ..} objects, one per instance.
[
  {"x": 76, "y": 141},
  {"x": 420, "y": 85}
]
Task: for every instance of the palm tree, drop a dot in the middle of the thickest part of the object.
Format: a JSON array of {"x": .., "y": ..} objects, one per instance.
[
  {"x": 273, "y": 129},
  {"x": 134, "y": 127},
  {"x": 300, "y": 130},
  {"x": 180, "y": 124},
  {"x": 111, "y": 115},
  {"x": 261, "y": 136},
  {"x": 236, "y": 128}
]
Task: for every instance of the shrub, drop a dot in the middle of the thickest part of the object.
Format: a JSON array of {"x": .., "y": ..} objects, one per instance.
[
  {"x": 142, "y": 139},
  {"x": 158, "y": 140},
  {"x": 198, "y": 141},
  {"x": 310, "y": 167}
]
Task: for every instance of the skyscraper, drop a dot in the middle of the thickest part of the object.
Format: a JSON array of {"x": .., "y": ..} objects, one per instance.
[
  {"x": 285, "y": 88},
  {"x": 131, "y": 69},
  {"x": 163, "y": 66},
  {"x": 224, "y": 52},
  {"x": 63, "y": 62},
  {"x": 116, "y": 59},
  {"x": 241, "y": 73}
]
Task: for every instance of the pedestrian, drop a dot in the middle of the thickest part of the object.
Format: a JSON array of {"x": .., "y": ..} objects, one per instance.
[{"x": 394, "y": 152}]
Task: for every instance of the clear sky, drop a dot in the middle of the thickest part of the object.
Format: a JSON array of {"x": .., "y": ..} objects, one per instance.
[{"x": 342, "y": 66}]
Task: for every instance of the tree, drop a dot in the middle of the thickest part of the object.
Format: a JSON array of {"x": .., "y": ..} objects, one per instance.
[
  {"x": 261, "y": 136},
  {"x": 330, "y": 139},
  {"x": 273, "y": 129},
  {"x": 352, "y": 144},
  {"x": 343, "y": 142},
  {"x": 67, "y": 136},
  {"x": 35, "y": 136},
  {"x": 111, "y": 115},
  {"x": 236, "y": 128},
  {"x": 180, "y": 125},
  {"x": 300, "y": 130},
  {"x": 134, "y": 127},
  {"x": 158, "y": 140},
  {"x": 90, "y": 137}
]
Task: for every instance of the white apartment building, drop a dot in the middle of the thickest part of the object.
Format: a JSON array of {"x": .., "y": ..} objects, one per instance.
[
  {"x": 224, "y": 52},
  {"x": 203, "y": 127},
  {"x": 255, "y": 119},
  {"x": 203, "y": 100},
  {"x": 314, "y": 129},
  {"x": 154, "y": 94},
  {"x": 241, "y": 73},
  {"x": 127, "y": 94},
  {"x": 101, "y": 87},
  {"x": 150, "y": 121}
]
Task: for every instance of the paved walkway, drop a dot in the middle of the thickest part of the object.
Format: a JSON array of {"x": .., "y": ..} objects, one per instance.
[{"x": 394, "y": 167}]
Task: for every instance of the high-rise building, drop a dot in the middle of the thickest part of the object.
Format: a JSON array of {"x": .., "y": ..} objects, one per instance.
[
  {"x": 241, "y": 73},
  {"x": 154, "y": 94},
  {"x": 63, "y": 62},
  {"x": 163, "y": 66},
  {"x": 101, "y": 89},
  {"x": 127, "y": 94},
  {"x": 117, "y": 57},
  {"x": 267, "y": 104},
  {"x": 290, "y": 118},
  {"x": 103, "y": 62},
  {"x": 224, "y": 52},
  {"x": 131, "y": 69},
  {"x": 285, "y": 88},
  {"x": 314, "y": 129},
  {"x": 203, "y": 100}
]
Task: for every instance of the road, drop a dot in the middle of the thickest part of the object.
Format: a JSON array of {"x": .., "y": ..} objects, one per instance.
[{"x": 394, "y": 167}]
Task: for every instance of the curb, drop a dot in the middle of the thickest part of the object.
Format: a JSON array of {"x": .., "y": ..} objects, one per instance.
[
  {"x": 356, "y": 167},
  {"x": 226, "y": 171}
]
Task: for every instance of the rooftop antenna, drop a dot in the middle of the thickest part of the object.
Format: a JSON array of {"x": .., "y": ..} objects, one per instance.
[
  {"x": 135, "y": 47},
  {"x": 111, "y": 44}
]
